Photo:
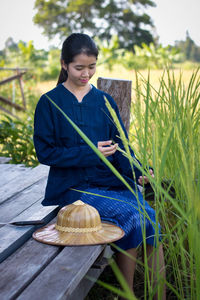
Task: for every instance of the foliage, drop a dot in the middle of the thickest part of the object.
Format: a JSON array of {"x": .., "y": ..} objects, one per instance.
[
  {"x": 151, "y": 57},
  {"x": 165, "y": 133},
  {"x": 102, "y": 19},
  {"x": 190, "y": 50},
  {"x": 42, "y": 64},
  {"x": 187, "y": 65},
  {"x": 24, "y": 55},
  {"x": 45, "y": 65},
  {"x": 52, "y": 69},
  {"x": 110, "y": 54},
  {"x": 16, "y": 141},
  {"x": 16, "y": 134}
]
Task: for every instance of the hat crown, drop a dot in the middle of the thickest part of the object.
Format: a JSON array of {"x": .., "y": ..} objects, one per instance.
[{"x": 78, "y": 217}]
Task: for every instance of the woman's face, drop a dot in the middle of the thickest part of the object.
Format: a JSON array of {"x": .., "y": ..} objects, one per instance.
[{"x": 81, "y": 69}]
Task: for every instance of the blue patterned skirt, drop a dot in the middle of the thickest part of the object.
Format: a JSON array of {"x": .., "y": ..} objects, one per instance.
[{"x": 133, "y": 215}]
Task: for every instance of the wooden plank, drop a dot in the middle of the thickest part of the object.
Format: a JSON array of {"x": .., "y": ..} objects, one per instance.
[
  {"x": 60, "y": 278},
  {"x": 120, "y": 90},
  {"x": 19, "y": 203},
  {"x": 12, "y": 78},
  {"x": 13, "y": 172},
  {"x": 23, "y": 266},
  {"x": 9, "y": 102},
  {"x": 17, "y": 271},
  {"x": 12, "y": 237},
  {"x": 7, "y": 166},
  {"x": 22, "y": 92},
  {"x": 38, "y": 212},
  {"x": 21, "y": 182},
  {"x": 4, "y": 167},
  {"x": 85, "y": 285},
  {"x": 8, "y": 112}
]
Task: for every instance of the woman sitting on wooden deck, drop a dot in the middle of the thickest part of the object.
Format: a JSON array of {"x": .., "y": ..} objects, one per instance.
[{"x": 73, "y": 164}]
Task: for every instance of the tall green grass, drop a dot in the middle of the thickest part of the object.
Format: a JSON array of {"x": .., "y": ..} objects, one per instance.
[{"x": 164, "y": 133}]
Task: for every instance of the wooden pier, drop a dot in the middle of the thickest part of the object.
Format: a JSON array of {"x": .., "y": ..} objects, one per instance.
[{"x": 29, "y": 269}]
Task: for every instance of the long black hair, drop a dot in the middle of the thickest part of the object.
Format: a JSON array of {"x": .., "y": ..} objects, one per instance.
[{"x": 75, "y": 44}]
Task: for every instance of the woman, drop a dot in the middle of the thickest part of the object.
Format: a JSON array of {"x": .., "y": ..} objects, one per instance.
[{"x": 75, "y": 166}]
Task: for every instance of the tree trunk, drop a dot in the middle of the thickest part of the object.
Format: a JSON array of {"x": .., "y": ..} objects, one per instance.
[{"x": 120, "y": 90}]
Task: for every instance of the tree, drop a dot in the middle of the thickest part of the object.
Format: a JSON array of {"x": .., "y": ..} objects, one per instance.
[
  {"x": 10, "y": 44},
  {"x": 103, "y": 19},
  {"x": 189, "y": 48}
]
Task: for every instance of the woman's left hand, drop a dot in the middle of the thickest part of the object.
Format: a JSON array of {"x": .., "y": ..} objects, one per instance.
[
  {"x": 106, "y": 148},
  {"x": 143, "y": 179}
]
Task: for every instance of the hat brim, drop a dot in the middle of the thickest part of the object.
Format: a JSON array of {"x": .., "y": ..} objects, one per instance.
[{"x": 49, "y": 235}]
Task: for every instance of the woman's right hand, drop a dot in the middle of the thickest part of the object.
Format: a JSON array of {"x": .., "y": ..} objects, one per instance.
[
  {"x": 106, "y": 148},
  {"x": 143, "y": 179}
]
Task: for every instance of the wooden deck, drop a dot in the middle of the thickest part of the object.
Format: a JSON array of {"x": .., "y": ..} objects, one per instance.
[{"x": 29, "y": 269}]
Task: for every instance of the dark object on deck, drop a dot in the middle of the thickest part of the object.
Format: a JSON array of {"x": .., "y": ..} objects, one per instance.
[
  {"x": 149, "y": 193},
  {"x": 24, "y": 223}
]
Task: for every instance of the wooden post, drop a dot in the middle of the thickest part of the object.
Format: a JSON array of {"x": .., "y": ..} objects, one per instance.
[
  {"x": 7, "y": 101},
  {"x": 120, "y": 90},
  {"x": 21, "y": 89}
]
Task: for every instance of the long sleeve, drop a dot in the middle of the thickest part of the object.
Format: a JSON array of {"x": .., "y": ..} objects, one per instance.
[{"x": 50, "y": 152}]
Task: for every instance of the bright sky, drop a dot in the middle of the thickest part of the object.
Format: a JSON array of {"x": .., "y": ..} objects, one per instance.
[{"x": 172, "y": 19}]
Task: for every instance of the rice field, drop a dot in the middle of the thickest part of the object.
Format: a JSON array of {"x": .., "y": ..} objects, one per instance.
[{"x": 119, "y": 72}]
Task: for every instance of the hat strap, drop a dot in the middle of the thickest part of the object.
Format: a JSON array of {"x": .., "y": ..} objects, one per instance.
[{"x": 78, "y": 230}]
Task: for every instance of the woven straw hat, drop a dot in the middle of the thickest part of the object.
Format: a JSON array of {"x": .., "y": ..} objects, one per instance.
[{"x": 78, "y": 224}]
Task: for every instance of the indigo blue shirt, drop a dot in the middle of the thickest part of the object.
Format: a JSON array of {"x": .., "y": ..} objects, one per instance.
[{"x": 73, "y": 164}]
